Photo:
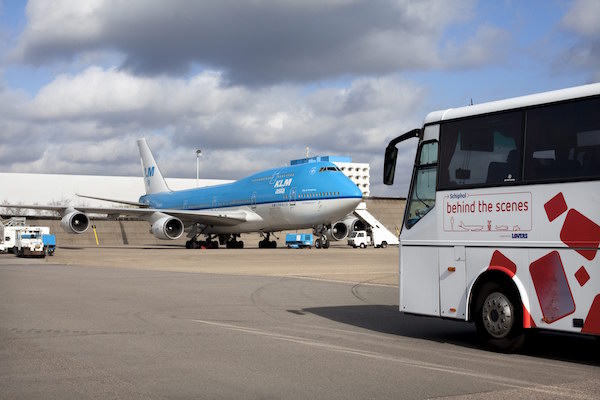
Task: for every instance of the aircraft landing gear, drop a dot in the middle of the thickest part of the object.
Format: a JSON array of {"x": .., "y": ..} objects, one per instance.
[
  {"x": 321, "y": 242},
  {"x": 209, "y": 243},
  {"x": 233, "y": 243},
  {"x": 266, "y": 243},
  {"x": 193, "y": 244}
]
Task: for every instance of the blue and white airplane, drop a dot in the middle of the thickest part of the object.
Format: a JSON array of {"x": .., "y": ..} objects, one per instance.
[{"x": 310, "y": 195}]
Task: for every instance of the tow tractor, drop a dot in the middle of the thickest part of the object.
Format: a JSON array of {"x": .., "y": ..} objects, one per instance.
[{"x": 34, "y": 241}]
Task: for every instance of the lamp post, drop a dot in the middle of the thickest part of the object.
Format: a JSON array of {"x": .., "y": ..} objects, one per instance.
[{"x": 198, "y": 154}]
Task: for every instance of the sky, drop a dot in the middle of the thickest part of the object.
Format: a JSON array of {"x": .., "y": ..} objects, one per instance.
[{"x": 254, "y": 83}]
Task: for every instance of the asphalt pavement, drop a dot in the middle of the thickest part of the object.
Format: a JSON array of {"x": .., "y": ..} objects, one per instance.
[{"x": 168, "y": 323}]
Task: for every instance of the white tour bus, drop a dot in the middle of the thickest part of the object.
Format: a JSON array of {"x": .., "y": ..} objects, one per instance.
[{"x": 502, "y": 223}]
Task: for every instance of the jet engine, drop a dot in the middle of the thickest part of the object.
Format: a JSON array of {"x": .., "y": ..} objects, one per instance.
[
  {"x": 75, "y": 222},
  {"x": 338, "y": 231},
  {"x": 341, "y": 229},
  {"x": 354, "y": 224},
  {"x": 167, "y": 228}
]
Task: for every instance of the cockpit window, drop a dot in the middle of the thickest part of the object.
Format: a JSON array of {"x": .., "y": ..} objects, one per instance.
[{"x": 329, "y": 169}]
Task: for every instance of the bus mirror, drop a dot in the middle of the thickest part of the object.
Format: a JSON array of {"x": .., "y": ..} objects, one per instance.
[{"x": 389, "y": 166}]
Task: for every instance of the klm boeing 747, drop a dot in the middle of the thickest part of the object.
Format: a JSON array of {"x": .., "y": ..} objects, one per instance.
[{"x": 303, "y": 196}]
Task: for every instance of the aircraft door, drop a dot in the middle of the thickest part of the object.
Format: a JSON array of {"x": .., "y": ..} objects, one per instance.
[
  {"x": 214, "y": 202},
  {"x": 292, "y": 197},
  {"x": 253, "y": 201}
]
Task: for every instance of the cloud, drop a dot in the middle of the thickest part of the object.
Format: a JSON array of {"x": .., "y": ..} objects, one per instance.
[
  {"x": 583, "y": 20},
  {"x": 88, "y": 122},
  {"x": 255, "y": 42}
]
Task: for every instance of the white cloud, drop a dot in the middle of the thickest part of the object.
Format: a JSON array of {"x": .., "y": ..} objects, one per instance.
[
  {"x": 87, "y": 123},
  {"x": 583, "y": 18}
]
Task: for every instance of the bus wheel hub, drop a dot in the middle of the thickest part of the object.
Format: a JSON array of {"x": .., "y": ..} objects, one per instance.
[{"x": 497, "y": 315}]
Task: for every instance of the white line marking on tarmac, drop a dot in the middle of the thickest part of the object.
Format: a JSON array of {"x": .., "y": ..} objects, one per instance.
[
  {"x": 508, "y": 382},
  {"x": 310, "y": 278}
]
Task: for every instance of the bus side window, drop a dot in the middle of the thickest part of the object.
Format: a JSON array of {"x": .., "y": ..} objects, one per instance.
[
  {"x": 563, "y": 141},
  {"x": 481, "y": 151},
  {"x": 422, "y": 194}
]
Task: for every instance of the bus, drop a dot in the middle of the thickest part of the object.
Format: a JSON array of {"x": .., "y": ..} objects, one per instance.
[{"x": 502, "y": 222}]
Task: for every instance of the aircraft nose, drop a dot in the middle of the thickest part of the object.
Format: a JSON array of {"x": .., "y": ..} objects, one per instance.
[{"x": 354, "y": 191}]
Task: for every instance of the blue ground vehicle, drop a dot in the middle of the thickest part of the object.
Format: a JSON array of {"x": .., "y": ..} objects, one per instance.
[
  {"x": 49, "y": 243},
  {"x": 299, "y": 240}
]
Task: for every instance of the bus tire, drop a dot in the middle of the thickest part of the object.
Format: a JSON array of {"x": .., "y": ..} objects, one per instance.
[
  {"x": 383, "y": 244},
  {"x": 362, "y": 245},
  {"x": 499, "y": 317}
]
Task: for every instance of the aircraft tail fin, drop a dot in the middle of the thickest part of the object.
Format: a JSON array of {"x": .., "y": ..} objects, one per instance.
[{"x": 153, "y": 179}]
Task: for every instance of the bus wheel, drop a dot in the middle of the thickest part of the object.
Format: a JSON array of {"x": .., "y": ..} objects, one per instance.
[{"x": 499, "y": 317}]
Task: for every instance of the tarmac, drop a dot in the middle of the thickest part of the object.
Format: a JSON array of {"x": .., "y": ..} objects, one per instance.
[
  {"x": 339, "y": 263},
  {"x": 165, "y": 322}
]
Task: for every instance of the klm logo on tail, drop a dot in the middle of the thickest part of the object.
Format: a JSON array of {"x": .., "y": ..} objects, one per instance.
[{"x": 149, "y": 172}]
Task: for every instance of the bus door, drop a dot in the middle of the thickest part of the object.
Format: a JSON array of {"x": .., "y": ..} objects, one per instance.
[{"x": 419, "y": 255}]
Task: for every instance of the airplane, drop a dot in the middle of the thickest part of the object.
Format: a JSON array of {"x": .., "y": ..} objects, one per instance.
[{"x": 302, "y": 196}]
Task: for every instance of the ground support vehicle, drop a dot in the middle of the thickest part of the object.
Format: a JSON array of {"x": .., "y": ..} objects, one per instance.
[
  {"x": 49, "y": 242},
  {"x": 8, "y": 233},
  {"x": 299, "y": 240},
  {"x": 363, "y": 239},
  {"x": 30, "y": 242},
  {"x": 502, "y": 224},
  {"x": 359, "y": 239},
  {"x": 8, "y": 236}
]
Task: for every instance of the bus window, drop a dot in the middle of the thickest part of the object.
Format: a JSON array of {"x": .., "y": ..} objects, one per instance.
[
  {"x": 422, "y": 198},
  {"x": 481, "y": 151},
  {"x": 563, "y": 141}
]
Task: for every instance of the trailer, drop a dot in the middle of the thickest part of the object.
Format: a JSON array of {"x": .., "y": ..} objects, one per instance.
[
  {"x": 49, "y": 243},
  {"x": 299, "y": 240}
]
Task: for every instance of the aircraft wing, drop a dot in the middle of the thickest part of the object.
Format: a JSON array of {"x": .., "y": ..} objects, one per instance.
[
  {"x": 205, "y": 217},
  {"x": 131, "y": 203}
]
